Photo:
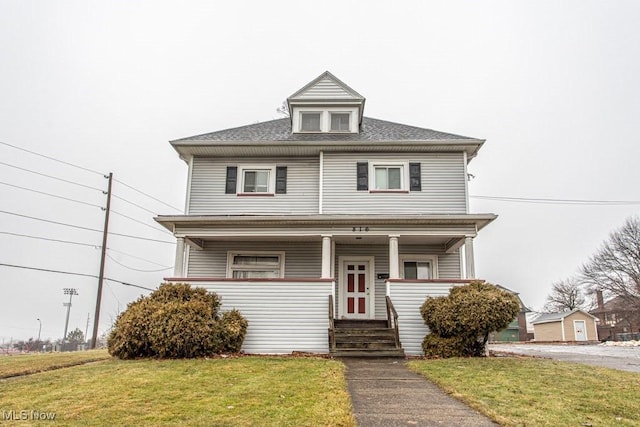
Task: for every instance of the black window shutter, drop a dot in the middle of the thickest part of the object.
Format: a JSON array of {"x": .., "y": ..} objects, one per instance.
[
  {"x": 281, "y": 180},
  {"x": 415, "y": 180},
  {"x": 363, "y": 176},
  {"x": 232, "y": 179}
]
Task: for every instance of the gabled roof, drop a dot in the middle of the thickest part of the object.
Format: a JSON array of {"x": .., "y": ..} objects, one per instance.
[
  {"x": 556, "y": 317},
  {"x": 326, "y": 87},
  {"x": 279, "y": 130}
]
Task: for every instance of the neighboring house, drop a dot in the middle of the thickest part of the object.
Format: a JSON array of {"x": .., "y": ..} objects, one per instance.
[
  {"x": 517, "y": 329},
  {"x": 574, "y": 325},
  {"x": 618, "y": 320},
  {"x": 308, "y": 222}
]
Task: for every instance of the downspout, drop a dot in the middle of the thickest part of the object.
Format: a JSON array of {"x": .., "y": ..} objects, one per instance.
[
  {"x": 321, "y": 183},
  {"x": 187, "y": 199}
]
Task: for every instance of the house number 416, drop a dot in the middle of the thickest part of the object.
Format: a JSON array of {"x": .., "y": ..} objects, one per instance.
[{"x": 359, "y": 229}]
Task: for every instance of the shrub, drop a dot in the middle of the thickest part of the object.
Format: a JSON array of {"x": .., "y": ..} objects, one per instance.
[
  {"x": 232, "y": 330},
  {"x": 175, "y": 321},
  {"x": 460, "y": 323}
]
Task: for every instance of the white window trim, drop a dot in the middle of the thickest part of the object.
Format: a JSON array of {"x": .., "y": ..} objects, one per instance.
[
  {"x": 231, "y": 254},
  {"x": 325, "y": 118},
  {"x": 420, "y": 258},
  {"x": 404, "y": 168},
  {"x": 249, "y": 168},
  {"x": 331, "y": 113}
]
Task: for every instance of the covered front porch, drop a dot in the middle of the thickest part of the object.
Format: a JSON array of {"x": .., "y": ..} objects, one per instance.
[{"x": 282, "y": 274}]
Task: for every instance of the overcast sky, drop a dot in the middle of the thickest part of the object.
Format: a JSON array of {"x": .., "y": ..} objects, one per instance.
[{"x": 551, "y": 85}]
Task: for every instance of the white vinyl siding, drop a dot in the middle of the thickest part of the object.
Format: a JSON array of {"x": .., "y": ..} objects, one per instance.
[
  {"x": 208, "y": 178},
  {"x": 283, "y": 316},
  {"x": 325, "y": 89},
  {"x": 302, "y": 259},
  {"x": 407, "y": 299},
  {"x": 442, "y": 178}
]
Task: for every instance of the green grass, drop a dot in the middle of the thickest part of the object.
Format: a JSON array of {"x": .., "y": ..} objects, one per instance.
[
  {"x": 539, "y": 392},
  {"x": 22, "y": 364},
  {"x": 247, "y": 391}
]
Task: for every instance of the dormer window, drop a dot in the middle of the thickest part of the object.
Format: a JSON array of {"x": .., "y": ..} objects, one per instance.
[
  {"x": 310, "y": 122},
  {"x": 340, "y": 122},
  {"x": 325, "y": 119}
]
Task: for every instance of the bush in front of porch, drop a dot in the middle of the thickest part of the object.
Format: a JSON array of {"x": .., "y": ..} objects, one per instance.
[
  {"x": 176, "y": 321},
  {"x": 460, "y": 323}
]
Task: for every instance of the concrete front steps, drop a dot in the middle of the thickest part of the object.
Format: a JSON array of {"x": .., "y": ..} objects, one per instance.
[{"x": 364, "y": 338}]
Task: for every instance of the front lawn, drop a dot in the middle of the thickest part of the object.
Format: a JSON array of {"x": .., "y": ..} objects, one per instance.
[
  {"x": 247, "y": 391},
  {"x": 539, "y": 392},
  {"x": 21, "y": 364}
]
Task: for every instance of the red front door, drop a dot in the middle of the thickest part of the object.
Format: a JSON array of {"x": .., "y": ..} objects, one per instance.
[{"x": 356, "y": 289}]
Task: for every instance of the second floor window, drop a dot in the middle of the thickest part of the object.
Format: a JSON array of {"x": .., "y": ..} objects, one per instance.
[
  {"x": 388, "y": 177},
  {"x": 256, "y": 181}
]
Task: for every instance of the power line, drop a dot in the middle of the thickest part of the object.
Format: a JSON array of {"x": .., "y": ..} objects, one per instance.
[
  {"x": 140, "y": 222},
  {"x": 51, "y": 195},
  {"x": 137, "y": 269},
  {"x": 50, "y": 240},
  {"x": 52, "y": 177},
  {"x": 137, "y": 257},
  {"x": 85, "y": 228},
  {"x": 52, "y": 158},
  {"x": 148, "y": 195},
  {"x": 551, "y": 201},
  {"x": 74, "y": 274},
  {"x": 135, "y": 204}
]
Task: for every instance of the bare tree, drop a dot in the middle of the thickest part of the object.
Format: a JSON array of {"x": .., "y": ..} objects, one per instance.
[
  {"x": 566, "y": 295},
  {"x": 615, "y": 268},
  {"x": 284, "y": 109}
]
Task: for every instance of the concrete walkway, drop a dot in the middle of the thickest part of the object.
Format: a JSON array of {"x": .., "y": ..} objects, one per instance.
[{"x": 385, "y": 393}]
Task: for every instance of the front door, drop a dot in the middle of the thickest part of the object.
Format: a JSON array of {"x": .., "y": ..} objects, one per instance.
[
  {"x": 356, "y": 289},
  {"x": 580, "y": 328}
]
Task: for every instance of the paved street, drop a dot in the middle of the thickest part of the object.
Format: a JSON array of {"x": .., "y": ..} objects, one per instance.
[{"x": 622, "y": 358}]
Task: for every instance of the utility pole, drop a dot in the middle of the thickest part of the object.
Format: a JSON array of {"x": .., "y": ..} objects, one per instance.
[
  {"x": 71, "y": 292},
  {"x": 86, "y": 329},
  {"x": 105, "y": 232}
]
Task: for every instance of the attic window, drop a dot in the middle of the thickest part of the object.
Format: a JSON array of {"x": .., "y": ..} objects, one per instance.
[
  {"x": 310, "y": 122},
  {"x": 340, "y": 122}
]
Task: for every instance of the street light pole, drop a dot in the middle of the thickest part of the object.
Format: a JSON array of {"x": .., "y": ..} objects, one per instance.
[
  {"x": 39, "y": 329},
  {"x": 71, "y": 292}
]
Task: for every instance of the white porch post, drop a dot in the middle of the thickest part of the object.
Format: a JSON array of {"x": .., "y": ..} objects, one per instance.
[
  {"x": 394, "y": 268},
  {"x": 178, "y": 270},
  {"x": 326, "y": 257},
  {"x": 468, "y": 254}
]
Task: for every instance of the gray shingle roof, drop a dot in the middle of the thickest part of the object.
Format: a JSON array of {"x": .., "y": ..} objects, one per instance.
[
  {"x": 554, "y": 317},
  {"x": 280, "y": 130}
]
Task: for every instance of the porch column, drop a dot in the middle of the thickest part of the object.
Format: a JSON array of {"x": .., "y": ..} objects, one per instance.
[
  {"x": 394, "y": 268},
  {"x": 326, "y": 257},
  {"x": 468, "y": 258},
  {"x": 178, "y": 270}
]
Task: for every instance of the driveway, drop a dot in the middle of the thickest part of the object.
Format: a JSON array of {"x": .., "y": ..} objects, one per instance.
[{"x": 622, "y": 358}]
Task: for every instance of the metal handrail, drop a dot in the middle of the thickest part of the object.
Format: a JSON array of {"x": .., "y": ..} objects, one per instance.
[
  {"x": 332, "y": 332},
  {"x": 391, "y": 310}
]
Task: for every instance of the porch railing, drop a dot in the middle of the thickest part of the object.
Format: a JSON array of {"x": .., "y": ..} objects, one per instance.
[
  {"x": 332, "y": 330},
  {"x": 392, "y": 320}
]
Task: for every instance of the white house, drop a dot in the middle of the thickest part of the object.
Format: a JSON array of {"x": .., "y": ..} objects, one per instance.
[{"x": 327, "y": 220}]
